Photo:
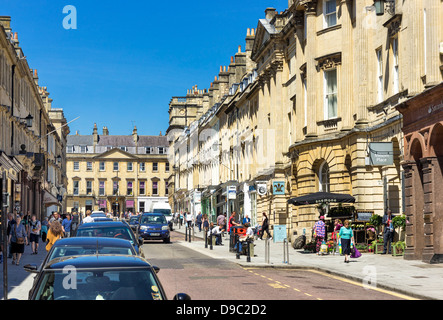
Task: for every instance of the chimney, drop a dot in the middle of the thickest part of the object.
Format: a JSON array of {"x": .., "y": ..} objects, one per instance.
[
  {"x": 135, "y": 135},
  {"x": 35, "y": 76},
  {"x": 95, "y": 134},
  {"x": 105, "y": 131},
  {"x": 270, "y": 13}
]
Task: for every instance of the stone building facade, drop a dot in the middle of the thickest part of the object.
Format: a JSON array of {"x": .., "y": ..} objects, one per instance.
[
  {"x": 32, "y": 134},
  {"x": 423, "y": 167},
  {"x": 313, "y": 109},
  {"x": 116, "y": 173}
]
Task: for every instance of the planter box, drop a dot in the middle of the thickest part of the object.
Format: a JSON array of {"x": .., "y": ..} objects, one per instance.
[
  {"x": 398, "y": 250},
  {"x": 378, "y": 248}
]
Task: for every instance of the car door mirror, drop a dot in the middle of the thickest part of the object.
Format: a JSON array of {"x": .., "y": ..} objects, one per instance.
[
  {"x": 182, "y": 296},
  {"x": 32, "y": 268}
]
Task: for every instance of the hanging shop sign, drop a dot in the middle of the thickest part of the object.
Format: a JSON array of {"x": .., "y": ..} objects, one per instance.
[
  {"x": 262, "y": 188},
  {"x": 278, "y": 187},
  {"x": 381, "y": 153}
]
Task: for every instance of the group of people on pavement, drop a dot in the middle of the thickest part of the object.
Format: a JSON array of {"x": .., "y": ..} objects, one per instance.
[
  {"x": 23, "y": 230},
  {"x": 343, "y": 234}
]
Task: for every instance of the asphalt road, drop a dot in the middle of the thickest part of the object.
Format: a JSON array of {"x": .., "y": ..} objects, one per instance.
[{"x": 205, "y": 278}]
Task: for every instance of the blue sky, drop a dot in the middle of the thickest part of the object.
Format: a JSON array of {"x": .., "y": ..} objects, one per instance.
[{"x": 126, "y": 59}]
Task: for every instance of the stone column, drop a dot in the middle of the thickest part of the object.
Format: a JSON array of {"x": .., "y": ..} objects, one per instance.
[
  {"x": 414, "y": 205},
  {"x": 434, "y": 34},
  {"x": 346, "y": 74},
  {"x": 311, "y": 72},
  {"x": 362, "y": 63}
]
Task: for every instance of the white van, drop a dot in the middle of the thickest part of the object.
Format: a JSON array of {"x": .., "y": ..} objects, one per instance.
[{"x": 165, "y": 208}]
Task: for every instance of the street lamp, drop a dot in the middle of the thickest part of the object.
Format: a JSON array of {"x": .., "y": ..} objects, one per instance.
[
  {"x": 29, "y": 119},
  {"x": 380, "y": 7}
]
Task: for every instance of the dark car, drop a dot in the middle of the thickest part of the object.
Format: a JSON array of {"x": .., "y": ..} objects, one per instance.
[
  {"x": 100, "y": 277},
  {"x": 111, "y": 229},
  {"x": 134, "y": 223},
  {"x": 69, "y": 247},
  {"x": 154, "y": 226}
]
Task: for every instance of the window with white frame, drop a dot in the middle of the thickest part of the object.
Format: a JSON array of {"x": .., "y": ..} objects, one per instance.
[
  {"x": 115, "y": 166},
  {"x": 155, "y": 188},
  {"x": 142, "y": 167},
  {"x": 379, "y": 75},
  {"x": 102, "y": 166},
  {"x": 323, "y": 177},
  {"x": 101, "y": 189},
  {"x": 330, "y": 94},
  {"x": 129, "y": 188},
  {"x": 396, "y": 82},
  {"x": 330, "y": 13},
  {"x": 75, "y": 190},
  {"x": 88, "y": 187},
  {"x": 130, "y": 166},
  {"x": 88, "y": 166},
  {"x": 149, "y": 150},
  {"x": 76, "y": 166},
  {"x": 142, "y": 188}
]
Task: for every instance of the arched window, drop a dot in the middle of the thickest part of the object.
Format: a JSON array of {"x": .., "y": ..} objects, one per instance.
[{"x": 323, "y": 177}]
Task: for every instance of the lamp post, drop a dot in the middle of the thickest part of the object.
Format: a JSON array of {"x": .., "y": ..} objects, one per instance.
[{"x": 380, "y": 7}]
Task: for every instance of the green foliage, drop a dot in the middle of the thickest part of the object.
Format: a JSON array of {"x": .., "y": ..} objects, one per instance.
[
  {"x": 399, "y": 222},
  {"x": 376, "y": 220}
]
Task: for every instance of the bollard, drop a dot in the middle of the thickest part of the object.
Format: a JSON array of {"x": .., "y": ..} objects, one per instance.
[
  {"x": 186, "y": 233},
  {"x": 206, "y": 239},
  {"x": 285, "y": 251},
  {"x": 210, "y": 239},
  {"x": 248, "y": 250},
  {"x": 189, "y": 236},
  {"x": 267, "y": 251},
  {"x": 237, "y": 242}
]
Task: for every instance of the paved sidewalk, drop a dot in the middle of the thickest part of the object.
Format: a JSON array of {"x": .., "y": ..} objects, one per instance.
[
  {"x": 19, "y": 280},
  {"x": 412, "y": 278}
]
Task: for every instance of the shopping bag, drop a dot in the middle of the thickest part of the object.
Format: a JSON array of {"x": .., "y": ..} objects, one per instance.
[{"x": 355, "y": 253}]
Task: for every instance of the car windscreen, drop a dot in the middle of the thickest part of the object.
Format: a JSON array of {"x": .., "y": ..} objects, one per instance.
[
  {"x": 164, "y": 211},
  {"x": 99, "y": 284},
  {"x": 66, "y": 251},
  {"x": 106, "y": 232},
  {"x": 154, "y": 219}
]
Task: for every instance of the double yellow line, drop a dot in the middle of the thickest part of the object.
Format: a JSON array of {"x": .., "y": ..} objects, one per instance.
[{"x": 278, "y": 285}]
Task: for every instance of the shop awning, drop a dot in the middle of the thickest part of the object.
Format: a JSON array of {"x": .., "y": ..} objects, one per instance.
[
  {"x": 49, "y": 199},
  {"x": 321, "y": 197}
]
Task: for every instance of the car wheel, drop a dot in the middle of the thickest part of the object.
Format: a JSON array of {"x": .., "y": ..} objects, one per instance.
[{"x": 167, "y": 240}]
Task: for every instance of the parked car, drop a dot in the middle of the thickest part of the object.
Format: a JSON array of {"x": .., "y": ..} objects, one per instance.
[
  {"x": 154, "y": 226},
  {"x": 111, "y": 229},
  {"x": 98, "y": 214},
  {"x": 100, "y": 277},
  {"x": 70, "y": 247},
  {"x": 134, "y": 223}
]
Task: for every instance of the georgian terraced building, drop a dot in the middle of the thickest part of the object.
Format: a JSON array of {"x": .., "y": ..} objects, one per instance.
[
  {"x": 32, "y": 135},
  {"x": 310, "y": 105},
  {"x": 115, "y": 173}
]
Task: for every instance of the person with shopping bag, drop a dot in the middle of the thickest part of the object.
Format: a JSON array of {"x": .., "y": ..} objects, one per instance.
[{"x": 346, "y": 238}]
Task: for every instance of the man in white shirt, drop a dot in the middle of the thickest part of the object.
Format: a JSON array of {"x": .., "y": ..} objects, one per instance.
[
  {"x": 217, "y": 232},
  {"x": 88, "y": 217}
]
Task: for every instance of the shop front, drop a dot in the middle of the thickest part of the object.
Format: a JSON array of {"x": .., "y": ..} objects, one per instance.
[{"x": 423, "y": 171}]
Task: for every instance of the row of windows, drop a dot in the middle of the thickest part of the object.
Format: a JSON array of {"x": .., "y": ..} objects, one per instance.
[
  {"x": 146, "y": 150},
  {"x": 116, "y": 166},
  {"x": 130, "y": 185}
]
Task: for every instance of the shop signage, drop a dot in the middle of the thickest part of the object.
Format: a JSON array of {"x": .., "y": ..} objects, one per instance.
[
  {"x": 262, "y": 188},
  {"x": 279, "y": 233},
  {"x": 278, "y": 187},
  {"x": 381, "y": 153},
  {"x": 232, "y": 192}
]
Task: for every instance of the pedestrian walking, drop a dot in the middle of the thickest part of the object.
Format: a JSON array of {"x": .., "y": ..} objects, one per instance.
[
  {"x": 388, "y": 232},
  {"x": 88, "y": 217},
  {"x": 34, "y": 233},
  {"x": 55, "y": 233},
  {"x": 189, "y": 219},
  {"x": 265, "y": 227},
  {"x": 319, "y": 233},
  {"x": 232, "y": 222},
  {"x": 45, "y": 227},
  {"x": 67, "y": 222},
  {"x": 346, "y": 239},
  {"x": 199, "y": 221},
  {"x": 18, "y": 238},
  {"x": 335, "y": 237},
  {"x": 221, "y": 221}
]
